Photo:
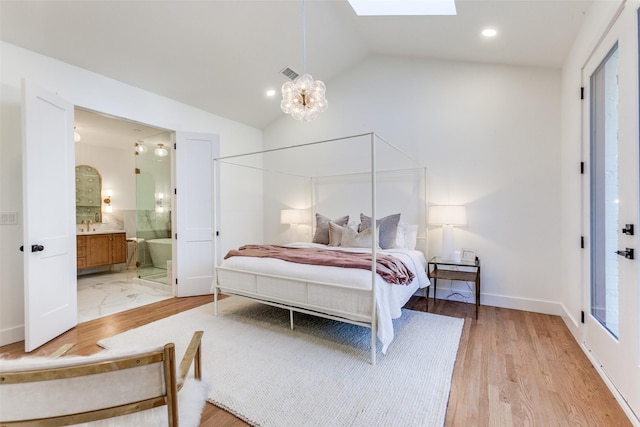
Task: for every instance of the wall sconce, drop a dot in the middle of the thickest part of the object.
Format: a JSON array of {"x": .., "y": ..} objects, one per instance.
[
  {"x": 447, "y": 216},
  {"x": 160, "y": 202},
  {"x": 107, "y": 200},
  {"x": 293, "y": 217},
  {"x": 140, "y": 148},
  {"x": 160, "y": 151}
]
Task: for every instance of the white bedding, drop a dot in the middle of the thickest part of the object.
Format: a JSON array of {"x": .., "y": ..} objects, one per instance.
[{"x": 390, "y": 298}]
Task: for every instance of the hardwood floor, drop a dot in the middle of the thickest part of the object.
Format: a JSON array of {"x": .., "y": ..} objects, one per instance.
[{"x": 514, "y": 368}]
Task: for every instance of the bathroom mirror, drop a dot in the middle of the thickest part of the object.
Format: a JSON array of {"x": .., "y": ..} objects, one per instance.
[{"x": 88, "y": 194}]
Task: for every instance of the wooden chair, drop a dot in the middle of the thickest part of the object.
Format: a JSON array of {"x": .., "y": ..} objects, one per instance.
[{"x": 78, "y": 389}]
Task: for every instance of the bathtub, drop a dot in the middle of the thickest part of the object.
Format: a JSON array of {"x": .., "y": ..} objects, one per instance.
[{"x": 160, "y": 251}]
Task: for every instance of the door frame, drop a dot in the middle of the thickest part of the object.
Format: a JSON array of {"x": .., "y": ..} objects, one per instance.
[
  {"x": 617, "y": 32},
  {"x": 69, "y": 192}
]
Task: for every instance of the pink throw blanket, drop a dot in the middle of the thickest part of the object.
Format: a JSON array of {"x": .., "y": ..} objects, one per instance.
[{"x": 389, "y": 267}]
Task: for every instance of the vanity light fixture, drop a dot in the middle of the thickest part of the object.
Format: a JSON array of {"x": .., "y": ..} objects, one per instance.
[
  {"x": 160, "y": 202},
  {"x": 140, "y": 148},
  {"x": 160, "y": 151},
  {"x": 107, "y": 200}
]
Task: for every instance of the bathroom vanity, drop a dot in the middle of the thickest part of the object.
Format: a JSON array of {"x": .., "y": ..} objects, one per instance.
[{"x": 96, "y": 249}]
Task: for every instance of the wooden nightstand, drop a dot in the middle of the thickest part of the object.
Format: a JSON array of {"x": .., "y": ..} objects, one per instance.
[{"x": 470, "y": 273}]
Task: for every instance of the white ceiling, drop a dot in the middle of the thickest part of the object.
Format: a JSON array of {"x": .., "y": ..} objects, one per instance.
[
  {"x": 107, "y": 131},
  {"x": 222, "y": 55}
]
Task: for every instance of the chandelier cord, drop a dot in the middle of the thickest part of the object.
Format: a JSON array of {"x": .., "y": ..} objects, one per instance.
[
  {"x": 303, "y": 97},
  {"x": 304, "y": 40}
]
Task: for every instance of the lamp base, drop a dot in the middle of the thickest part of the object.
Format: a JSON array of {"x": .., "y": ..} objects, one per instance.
[{"x": 447, "y": 242}]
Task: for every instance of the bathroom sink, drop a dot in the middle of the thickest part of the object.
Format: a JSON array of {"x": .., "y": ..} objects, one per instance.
[{"x": 82, "y": 232}]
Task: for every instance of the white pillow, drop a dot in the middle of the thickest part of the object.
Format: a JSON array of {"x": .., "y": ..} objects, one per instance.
[
  {"x": 401, "y": 242},
  {"x": 411, "y": 236},
  {"x": 335, "y": 233},
  {"x": 353, "y": 239},
  {"x": 406, "y": 236}
]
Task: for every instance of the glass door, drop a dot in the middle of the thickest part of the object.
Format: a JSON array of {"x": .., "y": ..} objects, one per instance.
[
  {"x": 153, "y": 208},
  {"x": 611, "y": 333},
  {"x": 604, "y": 194}
]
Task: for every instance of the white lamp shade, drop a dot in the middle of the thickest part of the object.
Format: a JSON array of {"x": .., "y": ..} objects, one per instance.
[
  {"x": 292, "y": 216},
  {"x": 448, "y": 215}
]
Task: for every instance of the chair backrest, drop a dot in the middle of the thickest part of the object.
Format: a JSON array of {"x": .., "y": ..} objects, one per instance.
[{"x": 78, "y": 389}]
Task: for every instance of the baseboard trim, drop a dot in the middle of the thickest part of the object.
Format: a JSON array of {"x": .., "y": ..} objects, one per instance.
[
  {"x": 524, "y": 304},
  {"x": 571, "y": 323},
  {"x": 623, "y": 404},
  {"x": 11, "y": 335}
]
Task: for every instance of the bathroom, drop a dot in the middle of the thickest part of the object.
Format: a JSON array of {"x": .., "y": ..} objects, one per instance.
[{"x": 129, "y": 164}]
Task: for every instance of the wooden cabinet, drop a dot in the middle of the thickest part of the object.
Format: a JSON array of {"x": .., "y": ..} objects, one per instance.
[
  {"x": 81, "y": 252},
  {"x": 96, "y": 250}
]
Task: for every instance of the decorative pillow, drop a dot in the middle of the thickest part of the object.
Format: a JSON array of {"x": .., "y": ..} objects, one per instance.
[
  {"x": 353, "y": 239},
  {"x": 335, "y": 233},
  {"x": 411, "y": 236},
  {"x": 322, "y": 228},
  {"x": 388, "y": 229},
  {"x": 400, "y": 236}
]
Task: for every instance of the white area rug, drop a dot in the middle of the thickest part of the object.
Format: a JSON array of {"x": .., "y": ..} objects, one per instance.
[{"x": 318, "y": 374}]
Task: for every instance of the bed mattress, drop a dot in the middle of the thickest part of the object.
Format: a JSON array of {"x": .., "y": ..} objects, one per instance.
[{"x": 337, "y": 291}]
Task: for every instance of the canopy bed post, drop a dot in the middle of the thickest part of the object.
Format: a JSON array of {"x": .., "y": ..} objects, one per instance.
[
  {"x": 374, "y": 245},
  {"x": 216, "y": 239}
]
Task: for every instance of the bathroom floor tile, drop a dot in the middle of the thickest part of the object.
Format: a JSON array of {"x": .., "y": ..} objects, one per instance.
[{"x": 102, "y": 294}]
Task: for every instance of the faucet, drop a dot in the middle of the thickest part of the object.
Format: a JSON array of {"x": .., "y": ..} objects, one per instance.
[{"x": 88, "y": 225}]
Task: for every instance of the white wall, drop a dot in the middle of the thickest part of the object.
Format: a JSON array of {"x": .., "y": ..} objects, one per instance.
[
  {"x": 490, "y": 138},
  {"x": 98, "y": 93}
]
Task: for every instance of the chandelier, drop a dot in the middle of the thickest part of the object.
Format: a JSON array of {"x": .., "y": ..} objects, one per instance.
[{"x": 303, "y": 97}]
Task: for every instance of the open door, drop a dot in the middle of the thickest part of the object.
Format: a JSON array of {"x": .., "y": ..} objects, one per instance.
[
  {"x": 193, "y": 217},
  {"x": 49, "y": 216}
]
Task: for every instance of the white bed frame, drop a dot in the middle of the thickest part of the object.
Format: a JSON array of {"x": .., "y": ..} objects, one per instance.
[{"x": 267, "y": 288}]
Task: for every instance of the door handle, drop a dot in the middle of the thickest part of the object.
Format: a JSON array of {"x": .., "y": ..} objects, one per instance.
[
  {"x": 628, "y": 229},
  {"x": 627, "y": 253},
  {"x": 37, "y": 248}
]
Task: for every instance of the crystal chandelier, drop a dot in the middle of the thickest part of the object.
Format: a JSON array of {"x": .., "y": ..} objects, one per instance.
[{"x": 303, "y": 97}]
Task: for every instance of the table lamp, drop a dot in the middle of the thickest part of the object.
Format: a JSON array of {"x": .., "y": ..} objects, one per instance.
[
  {"x": 447, "y": 216},
  {"x": 293, "y": 217}
]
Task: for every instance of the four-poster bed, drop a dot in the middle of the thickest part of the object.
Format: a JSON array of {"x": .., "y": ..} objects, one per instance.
[{"x": 356, "y": 174}]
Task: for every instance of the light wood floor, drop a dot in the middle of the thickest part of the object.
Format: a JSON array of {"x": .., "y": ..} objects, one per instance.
[{"x": 514, "y": 368}]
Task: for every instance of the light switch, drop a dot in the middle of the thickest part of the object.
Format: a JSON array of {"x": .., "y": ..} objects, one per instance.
[{"x": 8, "y": 218}]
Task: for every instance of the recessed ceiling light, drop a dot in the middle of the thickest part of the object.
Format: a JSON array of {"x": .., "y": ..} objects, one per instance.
[
  {"x": 403, "y": 7},
  {"x": 489, "y": 32},
  {"x": 271, "y": 92}
]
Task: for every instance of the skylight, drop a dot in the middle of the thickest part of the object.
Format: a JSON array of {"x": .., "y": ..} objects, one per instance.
[{"x": 403, "y": 7}]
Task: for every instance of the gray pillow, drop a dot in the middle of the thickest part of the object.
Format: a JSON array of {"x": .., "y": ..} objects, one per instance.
[
  {"x": 322, "y": 228},
  {"x": 388, "y": 229},
  {"x": 353, "y": 239}
]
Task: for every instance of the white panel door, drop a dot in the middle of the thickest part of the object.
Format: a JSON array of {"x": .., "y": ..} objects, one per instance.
[
  {"x": 612, "y": 298},
  {"x": 49, "y": 216},
  {"x": 194, "y": 230}
]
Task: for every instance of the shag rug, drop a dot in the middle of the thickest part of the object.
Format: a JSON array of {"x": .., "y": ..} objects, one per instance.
[{"x": 318, "y": 374}]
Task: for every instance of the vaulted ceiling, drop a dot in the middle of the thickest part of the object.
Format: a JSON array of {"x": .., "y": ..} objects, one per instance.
[{"x": 222, "y": 55}]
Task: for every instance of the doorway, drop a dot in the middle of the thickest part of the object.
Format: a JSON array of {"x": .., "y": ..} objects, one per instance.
[{"x": 133, "y": 165}]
